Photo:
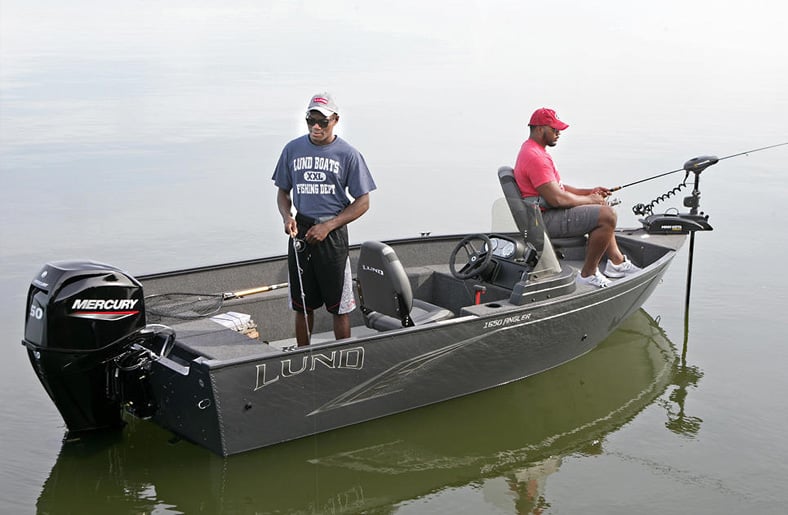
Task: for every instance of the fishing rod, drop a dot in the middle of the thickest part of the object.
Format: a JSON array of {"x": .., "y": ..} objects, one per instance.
[
  {"x": 697, "y": 165},
  {"x": 298, "y": 246}
]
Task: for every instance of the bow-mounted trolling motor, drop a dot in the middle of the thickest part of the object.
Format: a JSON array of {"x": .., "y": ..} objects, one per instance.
[
  {"x": 675, "y": 222},
  {"x": 694, "y": 220},
  {"x": 87, "y": 340}
]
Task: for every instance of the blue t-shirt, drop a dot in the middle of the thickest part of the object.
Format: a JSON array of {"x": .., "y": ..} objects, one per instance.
[{"x": 321, "y": 176}]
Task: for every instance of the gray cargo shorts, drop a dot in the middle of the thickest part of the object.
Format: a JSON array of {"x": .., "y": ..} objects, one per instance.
[{"x": 575, "y": 221}]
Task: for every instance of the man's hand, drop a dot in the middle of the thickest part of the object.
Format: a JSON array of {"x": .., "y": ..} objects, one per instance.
[
  {"x": 291, "y": 227},
  {"x": 596, "y": 198},
  {"x": 601, "y": 190},
  {"x": 317, "y": 233}
]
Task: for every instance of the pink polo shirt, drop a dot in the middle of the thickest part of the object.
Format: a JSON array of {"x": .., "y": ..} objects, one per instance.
[{"x": 534, "y": 167}]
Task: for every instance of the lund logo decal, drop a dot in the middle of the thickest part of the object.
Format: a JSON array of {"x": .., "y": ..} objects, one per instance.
[
  {"x": 352, "y": 359},
  {"x": 104, "y": 309},
  {"x": 372, "y": 269}
]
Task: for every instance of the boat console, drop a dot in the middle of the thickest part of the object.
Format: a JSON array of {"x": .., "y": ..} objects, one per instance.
[{"x": 511, "y": 261}]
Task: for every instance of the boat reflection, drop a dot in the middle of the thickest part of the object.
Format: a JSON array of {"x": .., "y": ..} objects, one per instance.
[{"x": 507, "y": 438}]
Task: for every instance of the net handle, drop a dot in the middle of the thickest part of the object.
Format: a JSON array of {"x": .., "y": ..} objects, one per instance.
[{"x": 252, "y": 291}]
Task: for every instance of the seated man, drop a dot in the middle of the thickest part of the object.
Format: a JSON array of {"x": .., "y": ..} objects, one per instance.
[{"x": 569, "y": 211}]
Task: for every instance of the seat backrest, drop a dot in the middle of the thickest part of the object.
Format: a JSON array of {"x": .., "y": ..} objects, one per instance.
[
  {"x": 526, "y": 214},
  {"x": 528, "y": 218},
  {"x": 383, "y": 285}
]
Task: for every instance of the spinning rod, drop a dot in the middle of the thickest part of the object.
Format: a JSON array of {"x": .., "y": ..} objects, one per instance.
[{"x": 697, "y": 165}]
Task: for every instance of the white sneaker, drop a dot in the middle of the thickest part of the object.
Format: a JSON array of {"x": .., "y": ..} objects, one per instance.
[
  {"x": 598, "y": 280},
  {"x": 624, "y": 268}
]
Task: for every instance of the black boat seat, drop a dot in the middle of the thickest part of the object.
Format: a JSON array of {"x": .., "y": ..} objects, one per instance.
[{"x": 385, "y": 293}]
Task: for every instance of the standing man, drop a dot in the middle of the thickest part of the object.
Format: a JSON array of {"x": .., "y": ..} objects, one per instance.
[
  {"x": 569, "y": 211},
  {"x": 318, "y": 173}
]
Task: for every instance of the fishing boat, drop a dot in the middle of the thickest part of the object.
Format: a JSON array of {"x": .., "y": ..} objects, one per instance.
[
  {"x": 440, "y": 317},
  {"x": 512, "y": 432}
]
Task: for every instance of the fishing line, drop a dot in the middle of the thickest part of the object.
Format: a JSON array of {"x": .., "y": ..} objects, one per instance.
[{"x": 697, "y": 164}]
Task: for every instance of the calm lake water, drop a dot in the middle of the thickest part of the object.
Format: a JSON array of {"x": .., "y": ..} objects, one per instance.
[{"x": 145, "y": 134}]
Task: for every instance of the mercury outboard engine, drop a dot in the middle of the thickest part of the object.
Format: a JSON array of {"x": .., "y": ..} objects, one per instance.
[{"x": 81, "y": 316}]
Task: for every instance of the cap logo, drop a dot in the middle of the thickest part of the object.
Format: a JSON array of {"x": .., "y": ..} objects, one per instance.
[{"x": 320, "y": 100}]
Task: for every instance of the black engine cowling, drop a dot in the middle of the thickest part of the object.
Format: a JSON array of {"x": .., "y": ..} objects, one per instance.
[{"x": 79, "y": 316}]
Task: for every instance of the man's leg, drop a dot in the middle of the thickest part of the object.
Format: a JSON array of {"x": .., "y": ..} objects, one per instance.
[
  {"x": 342, "y": 326},
  {"x": 602, "y": 240},
  {"x": 614, "y": 254}
]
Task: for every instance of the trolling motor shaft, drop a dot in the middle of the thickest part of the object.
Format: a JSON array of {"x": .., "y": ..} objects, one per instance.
[{"x": 696, "y": 165}]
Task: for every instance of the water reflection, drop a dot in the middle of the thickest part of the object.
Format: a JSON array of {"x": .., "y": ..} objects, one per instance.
[
  {"x": 510, "y": 439},
  {"x": 685, "y": 376}
]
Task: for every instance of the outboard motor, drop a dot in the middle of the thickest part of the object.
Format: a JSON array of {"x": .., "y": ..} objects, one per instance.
[{"x": 81, "y": 315}]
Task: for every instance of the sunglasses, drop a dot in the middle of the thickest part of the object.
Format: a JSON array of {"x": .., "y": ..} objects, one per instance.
[{"x": 321, "y": 122}]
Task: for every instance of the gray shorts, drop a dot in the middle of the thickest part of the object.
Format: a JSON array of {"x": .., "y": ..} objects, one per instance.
[{"x": 575, "y": 221}]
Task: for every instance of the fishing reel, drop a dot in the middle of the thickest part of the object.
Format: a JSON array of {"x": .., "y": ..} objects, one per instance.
[{"x": 299, "y": 245}]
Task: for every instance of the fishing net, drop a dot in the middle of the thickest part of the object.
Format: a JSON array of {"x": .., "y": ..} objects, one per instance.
[
  {"x": 196, "y": 305},
  {"x": 183, "y": 305}
]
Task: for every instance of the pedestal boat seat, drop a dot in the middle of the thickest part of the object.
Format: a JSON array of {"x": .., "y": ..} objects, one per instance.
[{"x": 385, "y": 293}]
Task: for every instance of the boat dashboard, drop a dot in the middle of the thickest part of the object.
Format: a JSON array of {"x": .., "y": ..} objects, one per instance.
[
  {"x": 511, "y": 260},
  {"x": 507, "y": 248}
]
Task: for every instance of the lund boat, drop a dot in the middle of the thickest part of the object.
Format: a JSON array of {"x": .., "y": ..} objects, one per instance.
[
  {"x": 494, "y": 434},
  {"x": 440, "y": 317}
]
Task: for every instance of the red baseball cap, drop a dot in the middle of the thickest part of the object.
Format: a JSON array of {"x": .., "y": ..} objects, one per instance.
[{"x": 545, "y": 116}]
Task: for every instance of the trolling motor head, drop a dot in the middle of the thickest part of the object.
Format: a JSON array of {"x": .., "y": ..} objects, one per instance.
[{"x": 700, "y": 163}]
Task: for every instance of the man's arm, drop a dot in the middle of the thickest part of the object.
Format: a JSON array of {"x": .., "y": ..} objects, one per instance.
[
  {"x": 569, "y": 196},
  {"x": 285, "y": 204},
  {"x": 605, "y": 192}
]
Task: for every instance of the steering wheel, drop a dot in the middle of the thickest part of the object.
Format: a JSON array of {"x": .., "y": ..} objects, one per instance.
[{"x": 476, "y": 260}]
